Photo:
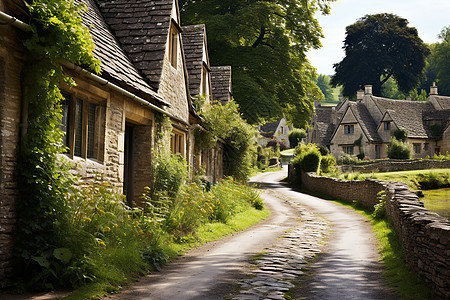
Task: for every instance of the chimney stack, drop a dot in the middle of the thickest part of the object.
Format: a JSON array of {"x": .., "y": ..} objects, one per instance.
[
  {"x": 368, "y": 89},
  {"x": 434, "y": 89},
  {"x": 359, "y": 94}
]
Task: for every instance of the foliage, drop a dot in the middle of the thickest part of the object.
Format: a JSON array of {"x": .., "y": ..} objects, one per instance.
[
  {"x": 296, "y": 136},
  {"x": 437, "y": 69},
  {"x": 400, "y": 134},
  {"x": 323, "y": 82},
  {"x": 276, "y": 145},
  {"x": 248, "y": 34},
  {"x": 439, "y": 156},
  {"x": 56, "y": 34},
  {"x": 170, "y": 172},
  {"x": 346, "y": 159},
  {"x": 225, "y": 121},
  {"x": 385, "y": 38},
  {"x": 379, "y": 209},
  {"x": 433, "y": 180},
  {"x": 302, "y": 147},
  {"x": 307, "y": 161},
  {"x": 398, "y": 149},
  {"x": 327, "y": 163}
]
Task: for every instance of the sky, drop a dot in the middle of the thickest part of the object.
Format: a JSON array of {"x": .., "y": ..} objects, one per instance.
[{"x": 429, "y": 17}]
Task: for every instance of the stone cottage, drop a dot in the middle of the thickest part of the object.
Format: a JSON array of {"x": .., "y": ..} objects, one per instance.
[
  {"x": 371, "y": 120},
  {"x": 278, "y": 130},
  {"x": 199, "y": 71},
  {"x": 109, "y": 119}
]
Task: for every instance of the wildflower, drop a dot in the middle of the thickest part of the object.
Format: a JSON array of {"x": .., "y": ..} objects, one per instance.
[
  {"x": 101, "y": 243},
  {"x": 88, "y": 220},
  {"x": 107, "y": 228},
  {"x": 141, "y": 231},
  {"x": 115, "y": 225},
  {"x": 124, "y": 234}
]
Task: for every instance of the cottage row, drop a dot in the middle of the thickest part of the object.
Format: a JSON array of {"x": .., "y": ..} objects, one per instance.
[
  {"x": 150, "y": 65},
  {"x": 366, "y": 126}
]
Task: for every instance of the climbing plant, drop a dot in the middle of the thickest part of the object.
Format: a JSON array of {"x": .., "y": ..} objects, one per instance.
[{"x": 55, "y": 34}]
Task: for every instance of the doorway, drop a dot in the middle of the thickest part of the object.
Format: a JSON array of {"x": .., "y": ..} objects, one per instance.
[{"x": 128, "y": 172}]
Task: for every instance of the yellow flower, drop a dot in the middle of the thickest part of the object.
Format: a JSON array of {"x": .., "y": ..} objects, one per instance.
[
  {"x": 124, "y": 234},
  {"x": 88, "y": 220},
  {"x": 107, "y": 228}
]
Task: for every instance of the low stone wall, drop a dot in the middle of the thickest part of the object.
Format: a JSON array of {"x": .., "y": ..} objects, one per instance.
[
  {"x": 391, "y": 165},
  {"x": 425, "y": 236}
]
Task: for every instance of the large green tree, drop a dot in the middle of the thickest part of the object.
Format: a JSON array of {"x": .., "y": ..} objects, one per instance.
[
  {"x": 378, "y": 47},
  {"x": 438, "y": 67},
  {"x": 323, "y": 82},
  {"x": 265, "y": 43}
]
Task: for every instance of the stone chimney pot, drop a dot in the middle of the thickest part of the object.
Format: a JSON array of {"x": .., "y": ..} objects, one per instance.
[
  {"x": 434, "y": 89},
  {"x": 368, "y": 89},
  {"x": 359, "y": 94}
]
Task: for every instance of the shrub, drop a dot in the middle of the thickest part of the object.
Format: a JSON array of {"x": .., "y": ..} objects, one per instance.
[
  {"x": 304, "y": 148},
  {"x": 346, "y": 159},
  {"x": 432, "y": 180},
  {"x": 170, "y": 172},
  {"x": 327, "y": 163},
  {"x": 398, "y": 149},
  {"x": 276, "y": 145},
  {"x": 380, "y": 208},
  {"x": 296, "y": 136},
  {"x": 400, "y": 134},
  {"x": 307, "y": 161}
]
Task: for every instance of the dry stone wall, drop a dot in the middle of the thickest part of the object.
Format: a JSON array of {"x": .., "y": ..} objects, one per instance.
[
  {"x": 397, "y": 165},
  {"x": 425, "y": 236}
]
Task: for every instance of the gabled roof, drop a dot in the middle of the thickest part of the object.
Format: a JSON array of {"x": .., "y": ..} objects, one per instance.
[
  {"x": 194, "y": 42},
  {"x": 142, "y": 28},
  {"x": 115, "y": 63},
  {"x": 442, "y": 102},
  {"x": 221, "y": 83},
  {"x": 268, "y": 130},
  {"x": 406, "y": 114},
  {"x": 365, "y": 121},
  {"x": 439, "y": 115},
  {"x": 323, "y": 125}
]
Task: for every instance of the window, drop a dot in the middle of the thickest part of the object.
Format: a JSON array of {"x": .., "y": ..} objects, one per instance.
[
  {"x": 348, "y": 150},
  {"x": 387, "y": 126},
  {"x": 416, "y": 148},
  {"x": 81, "y": 121},
  {"x": 177, "y": 142},
  {"x": 173, "y": 46},
  {"x": 349, "y": 129},
  {"x": 426, "y": 146}
]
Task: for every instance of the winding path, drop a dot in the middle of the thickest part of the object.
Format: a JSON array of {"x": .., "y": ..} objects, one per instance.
[{"x": 347, "y": 269}]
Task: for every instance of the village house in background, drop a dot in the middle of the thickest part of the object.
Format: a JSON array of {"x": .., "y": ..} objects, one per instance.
[
  {"x": 274, "y": 131},
  {"x": 111, "y": 120},
  {"x": 373, "y": 120}
]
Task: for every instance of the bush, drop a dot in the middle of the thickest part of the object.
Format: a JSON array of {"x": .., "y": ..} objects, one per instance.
[
  {"x": 432, "y": 180},
  {"x": 346, "y": 159},
  {"x": 304, "y": 148},
  {"x": 400, "y": 134},
  {"x": 170, "y": 172},
  {"x": 398, "y": 150},
  {"x": 296, "y": 136},
  {"x": 307, "y": 161},
  {"x": 276, "y": 145},
  {"x": 327, "y": 163}
]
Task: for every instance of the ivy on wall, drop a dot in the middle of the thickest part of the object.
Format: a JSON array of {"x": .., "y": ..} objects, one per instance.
[{"x": 56, "y": 34}]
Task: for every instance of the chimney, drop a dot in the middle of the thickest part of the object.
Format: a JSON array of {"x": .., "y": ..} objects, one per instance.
[
  {"x": 368, "y": 89},
  {"x": 434, "y": 89},
  {"x": 359, "y": 94}
]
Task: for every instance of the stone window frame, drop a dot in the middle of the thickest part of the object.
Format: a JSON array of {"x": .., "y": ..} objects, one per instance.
[
  {"x": 349, "y": 129},
  {"x": 91, "y": 135},
  {"x": 348, "y": 149},
  {"x": 177, "y": 142},
  {"x": 417, "y": 147},
  {"x": 387, "y": 125},
  {"x": 174, "y": 34}
]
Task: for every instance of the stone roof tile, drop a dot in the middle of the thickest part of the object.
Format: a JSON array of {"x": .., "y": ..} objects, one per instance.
[
  {"x": 193, "y": 37},
  {"x": 366, "y": 121},
  {"x": 221, "y": 83}
]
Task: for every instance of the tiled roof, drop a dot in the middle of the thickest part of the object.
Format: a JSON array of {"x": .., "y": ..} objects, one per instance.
[
  {"x": 221, "y": 83},
  {"x": 323, "y": 125},
  {"x": 407, "y": 114},
  {"x": 193, "y": 44},
  {"x": 268, "y": 130},
  {"x": 439, "y": 115},
  {"x": 443, "y": 101},
  {"x": 142, "y": 28},
  {"x": 114, "y": 61},
  {"x": 366, "y": 121}
]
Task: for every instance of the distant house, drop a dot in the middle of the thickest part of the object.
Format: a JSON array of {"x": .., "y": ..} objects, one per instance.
[
  {"x": 274, "y": 131},
  {"x": 373, "y": 120}
]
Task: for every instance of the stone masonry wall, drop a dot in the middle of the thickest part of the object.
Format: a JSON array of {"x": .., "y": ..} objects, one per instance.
[
  {"x": 11, "y": 64},
  {"x": 425, "y": 236},
  {"x": 397, "y": 165}
]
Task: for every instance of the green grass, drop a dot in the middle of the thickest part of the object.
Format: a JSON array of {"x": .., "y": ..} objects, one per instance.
[
  {"x": 438, "y": 201},
  {"x": 397, "y": 274}
]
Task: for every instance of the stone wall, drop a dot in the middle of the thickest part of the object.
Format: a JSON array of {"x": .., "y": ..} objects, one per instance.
[
  {"x": 392, "y": 165},
  {"x": 425, "y": 236}
]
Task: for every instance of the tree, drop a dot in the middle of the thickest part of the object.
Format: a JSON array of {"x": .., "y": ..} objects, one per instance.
[
  {"x": 265, "y": 43},
  {"x": 438, "y": 68},
  {"x": 296, "y": 136},
  {"x": 378, "y": 47},
  {"x": 323, "y": 82}
]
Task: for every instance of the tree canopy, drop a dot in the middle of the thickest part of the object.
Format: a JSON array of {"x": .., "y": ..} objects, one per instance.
[
  {"x": 323, "y": 82},
  {"x": 438, "y": 68},
  {"x": 378, "y": 47},
  {"x": 265, "y": 43}
]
